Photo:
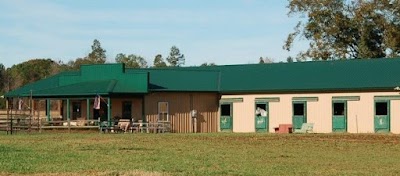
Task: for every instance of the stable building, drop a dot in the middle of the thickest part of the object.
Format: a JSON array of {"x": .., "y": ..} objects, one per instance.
[
  {"x": 354, "y": 96},
  {"x": 149, "y": 95}
]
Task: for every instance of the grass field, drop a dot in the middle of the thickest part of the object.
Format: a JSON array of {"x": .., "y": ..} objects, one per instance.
[{"x": 199, "y": 154}]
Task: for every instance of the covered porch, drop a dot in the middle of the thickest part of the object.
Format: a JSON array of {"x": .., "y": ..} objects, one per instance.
[
  {"x": 101, "y": 111},
  {"x": 67, "y": 99}
]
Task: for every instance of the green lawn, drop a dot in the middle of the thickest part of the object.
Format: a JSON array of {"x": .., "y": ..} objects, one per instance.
[{"x": 199, "y": 154}]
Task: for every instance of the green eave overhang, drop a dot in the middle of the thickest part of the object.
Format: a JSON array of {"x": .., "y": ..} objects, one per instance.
[
  {"x": 183, "y": 90},
  {"x": 87, "y": 89},
  {"x": 322, "y": 90},
  {"x": 80, "y": 89}
]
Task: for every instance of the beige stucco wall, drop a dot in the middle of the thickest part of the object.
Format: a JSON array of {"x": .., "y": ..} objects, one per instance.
[{"x": 360, "y": 114}]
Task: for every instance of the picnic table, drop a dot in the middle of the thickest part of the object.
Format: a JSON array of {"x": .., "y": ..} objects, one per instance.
[{"x": 147, "y": 127}]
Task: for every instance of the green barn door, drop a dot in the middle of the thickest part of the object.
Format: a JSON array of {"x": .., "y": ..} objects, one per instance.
[
  {"x": 339, "y": 116},
  {"x": 382, "y": 116},
  {"x": 299, "y": 114},
  {"x": 226, "y": 119},
  {"x": 261, "y": 117}
]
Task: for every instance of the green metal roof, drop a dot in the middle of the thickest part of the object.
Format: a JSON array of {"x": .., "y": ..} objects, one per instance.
[
  {"x": 181, "y": 80},
  {"x": 316, "y": 76},
  {"x": 46, "y": 83},
  {"x": 90, "y": 80},
  {"x": 79, "y": 89},
  {"x": 341, "y": 75}
]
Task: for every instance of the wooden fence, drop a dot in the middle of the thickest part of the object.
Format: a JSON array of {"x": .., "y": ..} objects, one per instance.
[
  {"x": 14, "y": 123},
  {"x": 20, "y": 122}
]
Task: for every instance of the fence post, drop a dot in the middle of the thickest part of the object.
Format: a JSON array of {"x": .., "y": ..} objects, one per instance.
[
  {"x": 100, "y": 130},
  {"x": 30, "y": 123},
  {"x": 39, "y": 125},
  {"x": 8, "y": 113},
  {"x": 11, "y": 125},
  {"x": 69, "y": 126},
  {"x": 31, "y": 106}
]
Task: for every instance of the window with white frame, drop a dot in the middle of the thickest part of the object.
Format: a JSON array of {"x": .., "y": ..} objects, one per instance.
[{"x": 163, "y": 115}]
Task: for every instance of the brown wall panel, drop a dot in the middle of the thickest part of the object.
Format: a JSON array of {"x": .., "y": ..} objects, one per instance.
[
  {"x": 180, "y": 105},
  {"x": 116, "y": 107}
]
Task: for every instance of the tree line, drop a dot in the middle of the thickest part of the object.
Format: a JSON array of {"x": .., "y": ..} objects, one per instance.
[
  {"x": 98, "y": 56},
  {"x": 335, "y": 29},
  {"x": 346, "y": 29},
  {"x": 40, "y": 68}
]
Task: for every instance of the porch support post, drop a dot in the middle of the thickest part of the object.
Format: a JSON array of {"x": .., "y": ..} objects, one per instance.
[
  {"x": 38, "y": 109},
  {"x": 109, "y": 111},
  {"x": 33, "y": 107},
  {"x": 68, "y": 117},
  {"x": 38, "y": 114},
  {"x": 48, "y": 109},
  {"x": 59, "y": 106},
  {"x": 31, "y": 112},
  {"x": 143, "y": 109},
  {"x": 87, "y": 109}
]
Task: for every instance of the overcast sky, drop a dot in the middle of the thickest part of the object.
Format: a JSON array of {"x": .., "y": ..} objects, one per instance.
[{"x": 220, "y": 31}]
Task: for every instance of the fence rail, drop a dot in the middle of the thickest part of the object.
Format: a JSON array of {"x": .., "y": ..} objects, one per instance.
[
  {"x": 13, "y": 123},
  {"x": 26, "y": 123}
]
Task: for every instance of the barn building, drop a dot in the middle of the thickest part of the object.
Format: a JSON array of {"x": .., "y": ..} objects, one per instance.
[{"x": 354, "y": 96}]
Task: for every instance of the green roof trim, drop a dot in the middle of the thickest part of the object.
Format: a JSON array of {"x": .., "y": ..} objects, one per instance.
[
  {"x": 305, "y": 99},
  {"x": 346, "y": 98},
  {"x": 389, "y": 97},
  {"x": 231, "y": 100},
  {"x": 267, "y": 99}
]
